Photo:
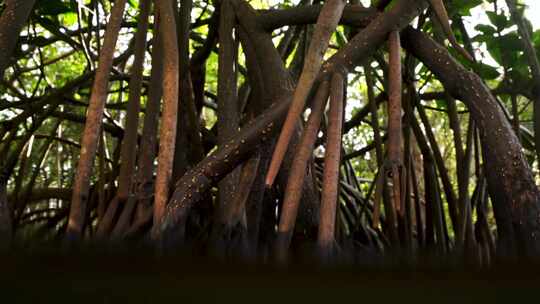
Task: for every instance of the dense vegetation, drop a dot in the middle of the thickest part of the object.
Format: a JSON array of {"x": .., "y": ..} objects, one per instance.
[{"x": 242, "y": 129}]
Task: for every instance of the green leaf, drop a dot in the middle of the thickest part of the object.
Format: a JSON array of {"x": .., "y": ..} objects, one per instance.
[
  {"x": 464, "y": 6},
  {"x": 49, "y": 23},
  {"x": 500, "y": 21},
  {"x": 495, "y": 51},
  {"x": 54, "y": 7},
  {"x": 536, "y": 38},
  {"x": 441, "y": 104},
  {"x": 39, "y": 41},
  {"x": 511, "y": 42},
  {"x": 485, "y": 29},
  {"x": 133, "y": 3},
  {"x": 340, "y": 38},
  {"x": 69, "y": 19},
  {"x": 504, "y": 49},
  {"x": 486, "y": 71},
  {"x": 519, "y": 75}
]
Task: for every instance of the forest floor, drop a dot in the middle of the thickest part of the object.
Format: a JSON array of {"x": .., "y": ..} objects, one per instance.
[{"x": 115, "y": 278}]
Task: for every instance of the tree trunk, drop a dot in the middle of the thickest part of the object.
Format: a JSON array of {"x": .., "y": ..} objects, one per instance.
[
  {"x": 169, "y": 113},
  {"x": 147, "y": 151},
  {"x": 515, "y": 197},
  {"x": 13, "y": 19},
  {"x": 297, "y": 174},
  {"x": 214, "y": 167},
  {"x": 332, "y": 164},
  {"x": 128, "y": 151},
  {"x": 228, "y": 110},
  {"x": 395, "y": 162},
  {"x": 90, "y": 137},
  {"x": 326, "y": 24},
  {"x": 534, "y": 65}
]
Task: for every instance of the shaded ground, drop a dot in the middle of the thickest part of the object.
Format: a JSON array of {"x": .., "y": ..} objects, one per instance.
[{"x": 129, "y": 279}]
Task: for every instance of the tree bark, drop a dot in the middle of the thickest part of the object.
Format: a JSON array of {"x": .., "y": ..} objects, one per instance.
[
  {"x": 534, "y": 65},
  {"x": 12, "y": 21},
  {"x": 511, "y": 185},
  {"x": 228, "y": 108},
  {"x": 214, "y": 167},
  {"x": 147, "y": 151},
  {"x": 189, "y": 150},
  {"x": 89, "y": 141},
  {"x": 128, "y": 151},
  {"x": 5, "y": 217},
  {"x": 169, "y": 113},
  {"x": 297, "y": 174},
  {"x": 394, "y": 169},
  {"x": 326, "y": 24},
  {"x": 332, "y": 164}
]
